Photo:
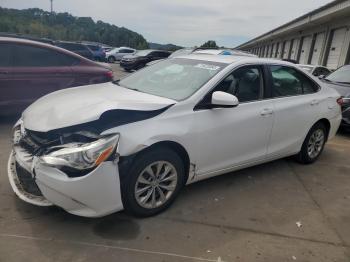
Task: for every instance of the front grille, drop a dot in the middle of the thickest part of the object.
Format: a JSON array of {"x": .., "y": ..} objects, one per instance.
[
  {"x": 27, "y": 182},
  {"x": 29, "y": 145},
  {"x": 35, "y": 143}
]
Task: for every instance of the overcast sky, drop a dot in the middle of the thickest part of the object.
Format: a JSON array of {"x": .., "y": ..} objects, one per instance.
[{"x": 184, "y": 22}]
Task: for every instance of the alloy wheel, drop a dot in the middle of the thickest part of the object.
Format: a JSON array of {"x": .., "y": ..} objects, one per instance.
[
  {"x": 155, "y": 184},
  {"x": 316, "y": 142}
]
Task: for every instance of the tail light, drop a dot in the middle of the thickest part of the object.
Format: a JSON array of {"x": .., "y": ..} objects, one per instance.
[
  {"x": 340, "y": 101},
  {"x": 109, "y": 75}
]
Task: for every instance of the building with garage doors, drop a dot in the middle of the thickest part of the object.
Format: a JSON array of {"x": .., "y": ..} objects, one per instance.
[{"x": 321, "y": 37}]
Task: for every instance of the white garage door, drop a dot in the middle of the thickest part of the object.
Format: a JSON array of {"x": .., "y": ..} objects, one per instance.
[
  {"x": 335, "y": 48},
  {"x": 267, "y": 54},
  {"x": 305, "y": 50},
  {"x": 317, "y": 48},
  {"x": 286, "y": 49},
  {"x": 273, "y": 50},
  {"x": 295, "y": 49},
  {"x": 279, "y": 50}
]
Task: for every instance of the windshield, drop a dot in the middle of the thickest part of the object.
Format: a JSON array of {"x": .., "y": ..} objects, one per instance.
[
  {"x": 175, "y": 78},
  {"x": 342, "y": 75},
  {"x": 143, "y": 52}
]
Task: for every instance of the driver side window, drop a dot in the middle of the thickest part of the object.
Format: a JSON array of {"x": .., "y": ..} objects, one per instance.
[{"x": 246, "y": 83}]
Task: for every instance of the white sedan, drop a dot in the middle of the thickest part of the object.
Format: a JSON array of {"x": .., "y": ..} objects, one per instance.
[
  {"x": 116, "y": 54},
  {"x": 133, "y": 144}
]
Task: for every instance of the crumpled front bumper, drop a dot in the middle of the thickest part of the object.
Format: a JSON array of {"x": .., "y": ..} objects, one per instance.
[{"x": 92, "y": 195}]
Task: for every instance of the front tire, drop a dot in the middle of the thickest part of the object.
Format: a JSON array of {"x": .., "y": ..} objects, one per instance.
[
  {"x": 313, "y": 144},
  {"x": 153, "y": 182}
]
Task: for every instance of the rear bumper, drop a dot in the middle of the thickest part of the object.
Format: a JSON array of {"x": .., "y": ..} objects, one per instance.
[
  {"x": 93, "y": 195},
  {"x": 335, "y": 123},
  {"x": 346, "y": 117}
]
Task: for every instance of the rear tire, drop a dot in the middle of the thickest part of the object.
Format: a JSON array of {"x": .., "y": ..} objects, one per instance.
[
  {"x": 111, "y": 59},
  {"x": 153, "y": 182},
  {"x": 313, "y": 144}
]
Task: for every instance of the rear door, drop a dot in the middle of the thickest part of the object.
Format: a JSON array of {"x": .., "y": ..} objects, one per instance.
[
  {"x": 296, "y": 107},
  {"x": 38, "y": 71},
  {"x": 123, "y": 52}
]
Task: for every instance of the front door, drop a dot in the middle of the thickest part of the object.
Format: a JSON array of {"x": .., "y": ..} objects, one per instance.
[{"x": 229, "y": 137}]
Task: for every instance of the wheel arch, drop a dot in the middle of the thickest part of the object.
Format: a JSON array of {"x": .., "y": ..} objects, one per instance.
[
  {"x": 326, "y": 123},
  {"x": 125, "y": 162}
]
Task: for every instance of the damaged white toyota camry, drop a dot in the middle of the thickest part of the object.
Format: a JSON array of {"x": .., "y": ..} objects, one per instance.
[{"x": 133, "y": 144}]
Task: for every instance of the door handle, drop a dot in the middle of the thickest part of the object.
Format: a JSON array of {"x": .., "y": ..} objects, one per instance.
[
  {"x": 266, "y": 112},
  {"x": 314, "y": 102}
]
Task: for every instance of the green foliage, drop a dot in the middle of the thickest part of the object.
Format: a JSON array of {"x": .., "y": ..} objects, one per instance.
[
  {"x": 209, "y": 44},
  {"x": 167, "y": 47},
  {"x": 64, "y": 26}
]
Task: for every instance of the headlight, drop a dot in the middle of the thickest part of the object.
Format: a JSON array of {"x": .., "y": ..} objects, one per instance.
[{"x": 82, "y": 156}]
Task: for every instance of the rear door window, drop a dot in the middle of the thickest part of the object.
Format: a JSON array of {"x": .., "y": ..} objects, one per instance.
[
  {"x": 32, "y": 56},
  {"x": 288, "y": 81},
  {"x": 5, "y": 55}
]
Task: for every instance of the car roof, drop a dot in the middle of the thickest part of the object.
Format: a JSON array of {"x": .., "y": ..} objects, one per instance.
[
  {"x": 311, "y": 66},
  {"x": 209, "y": 51},
  {"x": 231, "y": 59},
  {"x": 41, "y": 44}
]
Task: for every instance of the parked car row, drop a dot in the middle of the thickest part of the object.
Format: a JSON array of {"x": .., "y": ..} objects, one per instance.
[{"x": 31, "y": 69}]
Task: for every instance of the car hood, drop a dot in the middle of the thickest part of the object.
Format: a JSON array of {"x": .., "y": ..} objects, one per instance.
[{"x": 79, "y": 105}]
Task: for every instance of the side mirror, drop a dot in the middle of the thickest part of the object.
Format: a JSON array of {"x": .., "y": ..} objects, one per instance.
[{"x": 223, "y": 99}]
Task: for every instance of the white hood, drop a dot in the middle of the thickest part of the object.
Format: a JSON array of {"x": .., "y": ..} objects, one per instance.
[{"x": 83, "y": 104}]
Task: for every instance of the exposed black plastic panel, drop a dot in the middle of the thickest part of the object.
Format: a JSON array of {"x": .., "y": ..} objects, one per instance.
[{"x": 108, "y": 120}]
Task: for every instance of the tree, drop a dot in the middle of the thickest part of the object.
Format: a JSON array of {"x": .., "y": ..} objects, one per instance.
[
  {"x": 64, "y": 26},
  {"x": 209, "y": 44}
]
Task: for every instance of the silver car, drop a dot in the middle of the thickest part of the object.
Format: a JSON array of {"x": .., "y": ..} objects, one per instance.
[{"x": 118, "y": 53}]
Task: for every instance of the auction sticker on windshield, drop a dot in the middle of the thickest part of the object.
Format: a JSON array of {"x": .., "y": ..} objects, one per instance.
[{"x": 208, "y": 67}]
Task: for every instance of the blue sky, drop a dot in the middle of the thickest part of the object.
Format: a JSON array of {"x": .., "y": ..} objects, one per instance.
[{"x": 184, "y": 22}]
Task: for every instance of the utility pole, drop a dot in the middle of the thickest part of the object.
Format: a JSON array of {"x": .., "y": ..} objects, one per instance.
[{"x": 51, "y": 6}]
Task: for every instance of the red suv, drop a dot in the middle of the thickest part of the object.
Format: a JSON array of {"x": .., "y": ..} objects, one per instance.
[{"x": 30, "y": 69}]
